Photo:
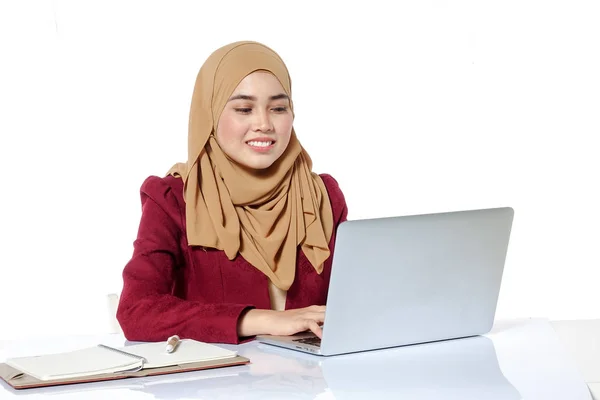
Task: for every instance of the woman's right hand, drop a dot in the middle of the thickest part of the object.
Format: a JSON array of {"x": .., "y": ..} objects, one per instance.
[{"x": 282, "y": 323}]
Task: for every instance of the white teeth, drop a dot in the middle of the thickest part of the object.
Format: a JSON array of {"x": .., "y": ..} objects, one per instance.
[{"x": 260, "y": 144}]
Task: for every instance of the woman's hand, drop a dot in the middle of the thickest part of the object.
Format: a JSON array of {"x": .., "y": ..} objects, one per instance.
[{"x": 284, "y": 323}]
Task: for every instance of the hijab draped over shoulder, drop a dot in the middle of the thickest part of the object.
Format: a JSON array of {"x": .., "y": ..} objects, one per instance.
[{"x": 264, "y": 215}]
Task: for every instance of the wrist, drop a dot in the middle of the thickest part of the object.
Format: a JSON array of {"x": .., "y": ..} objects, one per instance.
[{"x": 255, "y": 322}]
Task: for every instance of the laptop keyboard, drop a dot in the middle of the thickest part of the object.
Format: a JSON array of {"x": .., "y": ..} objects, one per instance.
[{"x": 314, "y": 340}]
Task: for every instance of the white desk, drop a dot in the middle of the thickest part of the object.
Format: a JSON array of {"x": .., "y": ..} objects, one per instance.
[
  {"x": 517, "y": 360},
  {"x": 581, "y": 338}
]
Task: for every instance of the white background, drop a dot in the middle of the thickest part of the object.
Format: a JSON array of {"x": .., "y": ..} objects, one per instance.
[{"x": 415, "y": 107}]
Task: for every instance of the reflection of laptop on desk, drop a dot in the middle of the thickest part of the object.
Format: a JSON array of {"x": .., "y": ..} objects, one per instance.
[
  {"x": 465, "y": 369},
  {"x": 413, "y": 279}
]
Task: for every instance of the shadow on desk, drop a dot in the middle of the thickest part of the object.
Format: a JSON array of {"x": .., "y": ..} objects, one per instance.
[{"x": 459, "y": 369}]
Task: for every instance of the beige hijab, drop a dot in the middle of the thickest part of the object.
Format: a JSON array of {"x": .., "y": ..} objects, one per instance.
[{"x": 262, "y": 215}]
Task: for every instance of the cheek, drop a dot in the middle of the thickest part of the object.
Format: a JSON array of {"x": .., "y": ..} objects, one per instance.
[
  {"x": 284, "y": 126},
  {"x": 230, "y": 129}
]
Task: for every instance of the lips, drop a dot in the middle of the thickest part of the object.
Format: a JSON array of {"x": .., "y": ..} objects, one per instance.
[
  {"x": 256, "y": 143},
  {"x": 261, "y": 144}
]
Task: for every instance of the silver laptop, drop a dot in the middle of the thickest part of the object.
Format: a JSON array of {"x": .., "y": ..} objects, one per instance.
[{"x": 412, "y": 279}]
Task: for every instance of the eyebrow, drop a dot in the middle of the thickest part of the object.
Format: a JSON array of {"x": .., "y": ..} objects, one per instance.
[{"x": 253, "y": 98}]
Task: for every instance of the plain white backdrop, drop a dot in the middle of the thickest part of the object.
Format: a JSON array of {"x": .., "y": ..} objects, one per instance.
[{"x": 414, "y": 107}]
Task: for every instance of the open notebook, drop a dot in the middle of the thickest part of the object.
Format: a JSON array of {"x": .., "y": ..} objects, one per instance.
[{"x": 105, "y": 362}]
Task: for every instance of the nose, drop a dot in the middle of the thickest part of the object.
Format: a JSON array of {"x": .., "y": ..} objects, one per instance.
[{"x": 262, "y": 122}]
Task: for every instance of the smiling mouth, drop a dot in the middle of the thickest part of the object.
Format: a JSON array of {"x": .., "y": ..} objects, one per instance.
[{"x": 260, "y": 144}]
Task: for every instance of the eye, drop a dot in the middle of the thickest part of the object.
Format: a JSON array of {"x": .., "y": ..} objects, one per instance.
[
  {"x": 279, "y": 109},
  {"x": 243, "y": 110}
]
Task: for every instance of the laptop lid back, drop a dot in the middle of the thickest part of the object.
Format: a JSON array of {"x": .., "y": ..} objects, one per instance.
[{"x": 413, "y": 279}]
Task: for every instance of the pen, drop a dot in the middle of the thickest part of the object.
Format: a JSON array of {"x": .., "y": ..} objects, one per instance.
[{"x": 172, "y": 343}]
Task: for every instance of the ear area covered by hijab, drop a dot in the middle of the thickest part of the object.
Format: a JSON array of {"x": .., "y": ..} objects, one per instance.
[{"x": 262, "y": 216}]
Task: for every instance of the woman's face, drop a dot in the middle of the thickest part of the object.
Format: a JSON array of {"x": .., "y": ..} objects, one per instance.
[{"x": 256, "y": 124}]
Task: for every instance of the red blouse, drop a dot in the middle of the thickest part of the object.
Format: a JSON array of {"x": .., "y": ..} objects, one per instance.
[{"x": 170, "y": 288}]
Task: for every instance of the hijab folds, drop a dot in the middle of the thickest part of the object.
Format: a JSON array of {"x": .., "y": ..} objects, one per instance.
[{"x": 264, "y": 215}]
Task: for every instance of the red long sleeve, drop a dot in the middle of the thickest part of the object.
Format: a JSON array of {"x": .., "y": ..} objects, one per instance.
[
  {"x": 148, "y": 311},
  {"x": 171, "y": 288}
]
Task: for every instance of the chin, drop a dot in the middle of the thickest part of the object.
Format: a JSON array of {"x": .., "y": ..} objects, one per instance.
[
  {"x": 258, "y": 165},
  {"x": 258, "y": 162}
]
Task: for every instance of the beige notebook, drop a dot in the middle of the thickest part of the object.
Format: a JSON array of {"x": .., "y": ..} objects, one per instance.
[{"x": 102, "y": 359}]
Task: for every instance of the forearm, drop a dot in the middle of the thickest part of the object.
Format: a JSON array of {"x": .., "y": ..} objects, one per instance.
[
  {"x": 255, "y": 322},
  {"x": 269, "y": 322},
  {"x": 156, "y": 317}
]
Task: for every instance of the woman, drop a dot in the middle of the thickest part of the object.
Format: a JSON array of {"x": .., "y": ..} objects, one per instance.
[{"x": 238, "y": 241}]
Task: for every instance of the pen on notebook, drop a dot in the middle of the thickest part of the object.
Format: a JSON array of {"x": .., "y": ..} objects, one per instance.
[{"x": 172, "y": 343}]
